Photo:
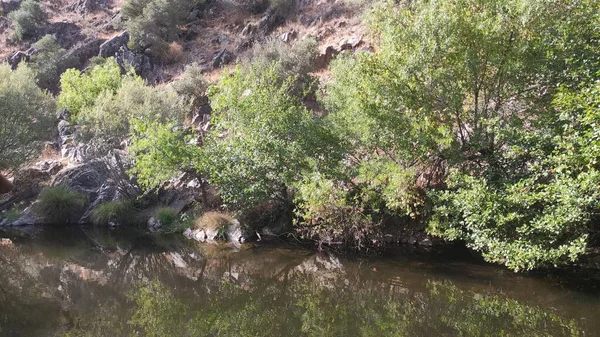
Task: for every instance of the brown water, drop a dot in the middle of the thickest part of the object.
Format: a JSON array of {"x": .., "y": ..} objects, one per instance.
[{"x": 104, "y": 283}]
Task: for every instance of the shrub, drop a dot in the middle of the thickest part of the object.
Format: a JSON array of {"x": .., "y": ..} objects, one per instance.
[
  {"x": 290, "y": 62},
  {"x": 327, "y": 212},
  {"x": 167, "y": 216},
  {"x": 111, "y": 114},
  {"x": 153, "y": 24},
  {"x": 161, "y": 151},
  {"x": 49, "y": 62},
  {"x": 192, "y": 85},
  {"x": 59, "y": 205},
  {"x": 261, "y": 140},
  {"x": 285, "y": 8},
  {"x": 27, "y": 19},
  {"x": 120, "y": 212},
  {"x": 253, "y": 6},
  {"x": 26, "y": 115}
]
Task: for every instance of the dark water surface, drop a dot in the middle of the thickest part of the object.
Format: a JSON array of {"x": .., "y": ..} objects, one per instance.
[{"x": 94, "y": 282}]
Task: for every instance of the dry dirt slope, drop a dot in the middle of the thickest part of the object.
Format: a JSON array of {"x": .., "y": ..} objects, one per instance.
[{"x": 221, "y": 25}]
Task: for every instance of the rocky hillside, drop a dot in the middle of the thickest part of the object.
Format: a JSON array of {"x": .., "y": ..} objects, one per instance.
[{"x": 213, "y": 36}]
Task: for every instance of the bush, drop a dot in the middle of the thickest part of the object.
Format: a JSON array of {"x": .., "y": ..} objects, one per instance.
[
  {"x": 328, "y": 213},
  {"x": 120, "y": 212},
  {"x": 261, "y": 140},
  {"x": 26, "y": 115},
  {"x": 153, "y": 24},
  {"x": 192, "y": 85},
  {"x": 111, "y": 115},
  {"x": 290, "y": 62},
  {"x": 253, "y": 6},
  {"x": 49, "y": 62},
  {"x": 59, "y": 205},
  {"x": 104, "y": 102},
  {"x": 161, "y": 151},
  {"x": 27, "y": 19}
]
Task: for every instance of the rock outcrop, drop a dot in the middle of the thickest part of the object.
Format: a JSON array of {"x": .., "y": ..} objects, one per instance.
[{"x": 112, "y": 46}]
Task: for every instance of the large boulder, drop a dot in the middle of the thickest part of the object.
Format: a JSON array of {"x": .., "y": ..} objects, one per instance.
[
  {"x": 269, "y": 22},
  {"x": 17, "y": 58},
  {"x": 112, "y": 46},
  {"x": 82, "y": 51},
  {"x": 87, "y": 178},
  {"x": 141, "y": 63},
  {"x": 222, "y": 57},
  {"x": 67, "y": 34}
]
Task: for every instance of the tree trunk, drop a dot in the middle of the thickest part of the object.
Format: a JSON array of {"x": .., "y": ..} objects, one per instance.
[{"x": 5, "y": 185}]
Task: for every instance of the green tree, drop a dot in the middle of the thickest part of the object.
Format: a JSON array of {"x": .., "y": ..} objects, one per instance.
[
  {"x": 80, "y": 90},
  {"x": 111, "y": 113},
  {"x": 26, "y": 114},
  {"x": 262, "y": 137},
  {"x": 467, "y": 85},
  {"x": 544, "y": 216}
]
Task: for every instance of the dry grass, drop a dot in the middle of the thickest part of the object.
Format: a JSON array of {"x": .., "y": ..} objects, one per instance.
[
  {"x": 213, "y": 221},
  {"x": 173, "y": 54}
]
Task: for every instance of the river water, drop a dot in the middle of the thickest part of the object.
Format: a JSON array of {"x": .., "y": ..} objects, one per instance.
[{"x": 97, "y": 282}]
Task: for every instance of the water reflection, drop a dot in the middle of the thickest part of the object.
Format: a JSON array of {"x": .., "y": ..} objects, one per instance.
[{"x": 98, "y": 283}]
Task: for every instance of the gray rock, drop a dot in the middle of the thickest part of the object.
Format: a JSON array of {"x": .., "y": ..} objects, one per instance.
[
  {"x": 26, "y": 219},
  {"x": 269, "y": 22},
  {"x": 222, "y": 57},
  {"x": 67, "y": 34},
  {"x": 235, "y": 233},
  {"x": 112, "y": 46},
  {"x": 8, "y": 6},
  {"x": 141, "y": 63},
  {"x": 87, "y": 178},
  {"x": 81, "y": 52},
  {"x": 107, "y": 192},
  {"x": 289, "y": 36},
  {"x": 85, "y": 7},
  {"x": 17, "y": 58},
  {"x": 249, "y": 30}
]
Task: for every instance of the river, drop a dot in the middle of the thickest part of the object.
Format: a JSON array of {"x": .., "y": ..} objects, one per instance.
[{"x": 99, "y": 282}]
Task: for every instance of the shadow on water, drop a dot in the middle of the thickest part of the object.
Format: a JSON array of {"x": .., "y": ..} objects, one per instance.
[{"x": 99, "y": 282}]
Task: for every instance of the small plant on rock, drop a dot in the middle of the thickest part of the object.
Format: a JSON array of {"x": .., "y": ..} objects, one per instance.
[
  {"x": 121, "y": 212},
  {"x": 59, "y": 205},
  {"x": 167, "y": 216}
]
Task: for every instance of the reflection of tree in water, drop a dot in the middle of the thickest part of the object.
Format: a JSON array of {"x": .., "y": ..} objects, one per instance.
[
  {"x": 23, "y": 298},
  {"x": 146, "y": 288},
  {"x": 303, "y": 305}
]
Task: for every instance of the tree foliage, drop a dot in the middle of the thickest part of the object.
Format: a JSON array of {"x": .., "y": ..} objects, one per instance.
[
  {"x": 469, "y": 85},
  {"x": 80, "y": 90},
  {"x": 26, "y": 115},
  {"x": 262, "y": 137}
]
